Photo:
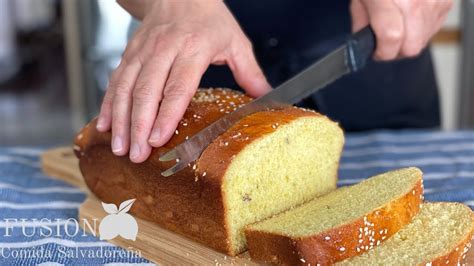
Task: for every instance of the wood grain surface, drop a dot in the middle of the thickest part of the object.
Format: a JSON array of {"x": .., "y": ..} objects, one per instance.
[{"x": 156, "y": 244}]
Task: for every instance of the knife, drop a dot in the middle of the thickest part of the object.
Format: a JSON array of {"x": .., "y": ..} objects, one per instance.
[{"x": 348, "y": 58}]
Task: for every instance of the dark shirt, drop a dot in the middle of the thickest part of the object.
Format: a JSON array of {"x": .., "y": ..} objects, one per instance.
[{"x": 290, "y": 35}]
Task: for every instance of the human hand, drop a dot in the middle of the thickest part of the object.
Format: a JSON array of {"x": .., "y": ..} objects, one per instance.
[
  {"x": 402, "y": 27},
  {"x": 161, "y": 68}
]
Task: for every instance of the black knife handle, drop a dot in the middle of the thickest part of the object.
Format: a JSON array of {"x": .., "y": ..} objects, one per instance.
[{"x": 360, "y": 48}]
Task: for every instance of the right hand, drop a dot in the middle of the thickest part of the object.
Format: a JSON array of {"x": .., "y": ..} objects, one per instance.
[{"x": 161, "y": 69}]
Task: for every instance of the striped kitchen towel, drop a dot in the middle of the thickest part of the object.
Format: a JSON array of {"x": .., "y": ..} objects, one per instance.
[{"x": 37, "y": 213}]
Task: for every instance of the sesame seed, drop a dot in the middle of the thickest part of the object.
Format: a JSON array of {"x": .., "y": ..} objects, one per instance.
[
  {"x": 342, "y": 248},
  {"x": 194, "y": 167},
  {"x": 186, "y": 138},
  {"x": 237, "y": 135},
  {"x": 226, "y": 143},
  {"x": 176, "y": 132},
  {"x": 302, "y": 260},
  {"x": 185, "y": 124},
  {"x": 196, "y": 178},
  {"x": 327, "y": 238},
  {"x": 79, "y": 137},
  {"x": 204, "y": 174},
  {"x": 177, "y": 160},
  {"x": 361, "y": 240}
]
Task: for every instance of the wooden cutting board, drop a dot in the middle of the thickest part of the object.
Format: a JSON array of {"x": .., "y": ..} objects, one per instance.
[{"x": 155, "y": 243}]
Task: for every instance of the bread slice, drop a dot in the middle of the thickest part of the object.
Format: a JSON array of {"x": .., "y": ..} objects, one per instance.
[
  {"x": 439, "y": 235},
  {"x": 263, "y": 165},
  {"x": 341, "y": 224}
]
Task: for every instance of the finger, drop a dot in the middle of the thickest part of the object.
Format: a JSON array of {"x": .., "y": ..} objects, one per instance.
[
  {"x": 121, "y": 107},
  {"x": 416, "y": 29},
  {"x": 387, "y": 22},
  {"x": 146, "y": 97},
  {"x": 104, "y": 120},
  {"x": 359, "y": 15},
  {"x": 181, "y": 85},
  {"x": 247, "y": 72}
]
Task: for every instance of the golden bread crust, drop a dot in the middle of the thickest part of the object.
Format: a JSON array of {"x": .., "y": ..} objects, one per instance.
[{"x": 341, "y": 242}]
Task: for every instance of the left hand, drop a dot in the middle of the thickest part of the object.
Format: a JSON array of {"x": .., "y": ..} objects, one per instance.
[{"x": 402, "y": 27}]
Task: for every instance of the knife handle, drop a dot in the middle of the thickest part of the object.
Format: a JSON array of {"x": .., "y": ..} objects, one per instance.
[{"x": 360, "y": 48}]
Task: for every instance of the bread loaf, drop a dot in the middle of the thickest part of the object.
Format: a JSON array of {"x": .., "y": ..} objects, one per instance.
[
  {"x": 439, "y": 235},
  {"x": 339, "y": 225},
  {"x": 266, "y": 163}
]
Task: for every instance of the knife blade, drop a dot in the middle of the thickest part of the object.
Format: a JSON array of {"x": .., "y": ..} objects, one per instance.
[{"x": 349, "y": 57}]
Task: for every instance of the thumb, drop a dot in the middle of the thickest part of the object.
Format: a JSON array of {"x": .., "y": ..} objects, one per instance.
[
  {"x": 359, "y": 15},
  {"x": 247, "y": 73}
]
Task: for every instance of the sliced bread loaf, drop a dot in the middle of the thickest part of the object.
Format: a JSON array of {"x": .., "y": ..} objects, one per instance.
[
  {"x": 439, "y": 235},
  {"x": 266, "y": 163},
  {"x": 341, "y": 224}
]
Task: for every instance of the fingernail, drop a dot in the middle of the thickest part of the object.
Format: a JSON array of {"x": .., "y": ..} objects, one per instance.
[
  {"x": 117, "y": 144},
  {"x": 135, "y": 151},
  {"x": 155, "y": 136},
  {"x": 100, "y": 123}
]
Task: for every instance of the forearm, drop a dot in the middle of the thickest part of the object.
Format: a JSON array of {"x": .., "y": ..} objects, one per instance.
[{"x": 136, "y": 8}]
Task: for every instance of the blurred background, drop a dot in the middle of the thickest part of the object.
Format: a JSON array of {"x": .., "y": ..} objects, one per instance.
[{"x": 56, "y": 56}]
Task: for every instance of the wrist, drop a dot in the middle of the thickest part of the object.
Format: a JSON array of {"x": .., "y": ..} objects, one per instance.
[{"x": 175, "y": 6}]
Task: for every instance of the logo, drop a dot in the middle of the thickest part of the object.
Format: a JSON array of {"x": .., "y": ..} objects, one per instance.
[{"x": 118, "y": 222}]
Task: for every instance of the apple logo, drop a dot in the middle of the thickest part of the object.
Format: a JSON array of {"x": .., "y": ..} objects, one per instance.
[{"x": 118, "y": 222}]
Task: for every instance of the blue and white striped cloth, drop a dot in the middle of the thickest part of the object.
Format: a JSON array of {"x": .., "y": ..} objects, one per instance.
[{"x": 447, "y": 160}]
